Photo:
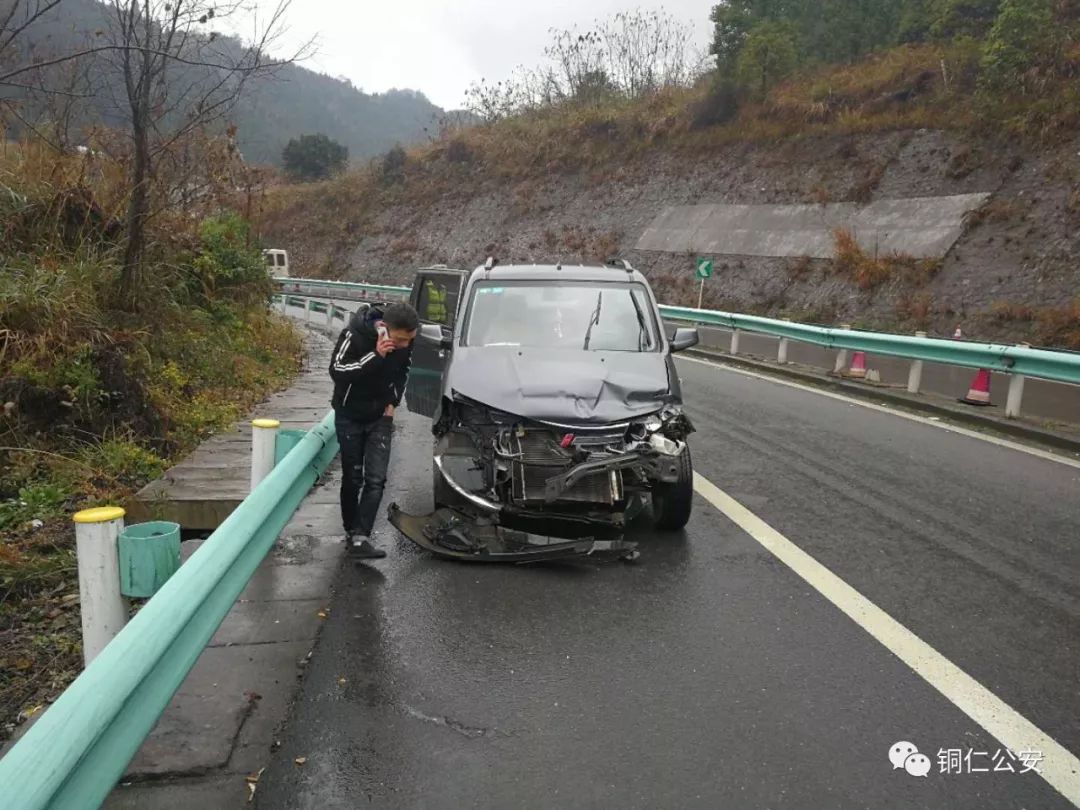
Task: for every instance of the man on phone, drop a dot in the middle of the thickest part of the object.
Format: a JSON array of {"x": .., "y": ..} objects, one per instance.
[{"x": 370, "y": 368}]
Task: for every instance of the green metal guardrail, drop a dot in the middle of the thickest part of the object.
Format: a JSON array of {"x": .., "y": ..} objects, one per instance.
[
  {"x": 1059, "y": 366},
  {"x": 314, "y": 305},
  {"x": 297, "y": 285},
  {"x": 74, "y": 755}
]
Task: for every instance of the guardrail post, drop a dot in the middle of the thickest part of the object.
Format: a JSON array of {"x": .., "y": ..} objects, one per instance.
[
  {"x": 1016, "y": 396},
  {"x": 1016, "y": 391},
  {"x": 263, "y": 443},
  {"x": 735, "y": 341},
  {"x": 781, "y": 352},
  {"x": 330, "y": 313},
  {"x": 104, "y": 609},
  {"x": 914, "y": 380},
  {"x": 307, "y": 310},
  {"x": 841, "y": 356}
]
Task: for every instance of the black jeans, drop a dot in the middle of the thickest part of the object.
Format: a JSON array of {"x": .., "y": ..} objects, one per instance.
[{"x": 365, "y": 458}]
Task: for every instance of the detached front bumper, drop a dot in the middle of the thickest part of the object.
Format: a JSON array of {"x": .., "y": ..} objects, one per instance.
[{"x": 453, "y": 535}]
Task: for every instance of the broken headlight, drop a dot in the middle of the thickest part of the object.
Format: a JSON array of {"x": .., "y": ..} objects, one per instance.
[{"x": 670, "y": 423}]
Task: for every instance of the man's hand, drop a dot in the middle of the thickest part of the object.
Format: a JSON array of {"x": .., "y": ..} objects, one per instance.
[
  {"x": 389, "y": 410},
  {"x": 384, "y": 346}
]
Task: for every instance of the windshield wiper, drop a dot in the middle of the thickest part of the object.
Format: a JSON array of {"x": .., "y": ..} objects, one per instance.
[
  {"x": 644, "y": 341},
  {"x": 595, "y": 319}
]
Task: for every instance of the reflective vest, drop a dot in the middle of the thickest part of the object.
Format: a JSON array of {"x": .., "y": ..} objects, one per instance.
[{"x": 436, "y": 308}]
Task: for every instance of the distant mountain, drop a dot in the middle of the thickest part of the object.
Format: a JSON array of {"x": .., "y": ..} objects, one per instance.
[
  {"x": 271, "y": 112},
  {"x": 298, "y": 101}
]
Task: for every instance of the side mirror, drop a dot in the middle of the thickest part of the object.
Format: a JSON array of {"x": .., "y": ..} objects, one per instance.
[
  {"x": 684, "y": 339},
  {"x": 439, "y": 335}
]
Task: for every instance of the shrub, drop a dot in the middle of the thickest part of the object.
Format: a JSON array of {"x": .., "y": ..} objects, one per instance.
[
  {"x": 314, "y": 157},
  {"x": 227, "y": 263},
  {"x": 35, "y": 502},
  {"x": 869, "y": 272},
  {"x": 458, "y": 151},
  {"x": 1059, "y": 327},
  {"x": 392, "y": 167},
  {"x": 718, "y": 105}
]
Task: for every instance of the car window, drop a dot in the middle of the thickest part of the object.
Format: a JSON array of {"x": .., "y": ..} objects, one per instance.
[
  {"x": 437, "y": 299},
  {"x": 593, "y": 316}
]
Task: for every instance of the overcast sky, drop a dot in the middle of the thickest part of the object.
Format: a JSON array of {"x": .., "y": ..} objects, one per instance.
[{"x": 440, "y": 46}]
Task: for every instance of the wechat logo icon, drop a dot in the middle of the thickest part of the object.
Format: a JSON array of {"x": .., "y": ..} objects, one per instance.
[{"x": 906, "y": 755}]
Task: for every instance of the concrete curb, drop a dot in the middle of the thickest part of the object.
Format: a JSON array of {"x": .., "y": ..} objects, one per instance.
[{"x": 919, "y": 402}]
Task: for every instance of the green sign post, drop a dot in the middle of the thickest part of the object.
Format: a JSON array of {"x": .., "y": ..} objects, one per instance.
[{"x": 703, "y": 270}]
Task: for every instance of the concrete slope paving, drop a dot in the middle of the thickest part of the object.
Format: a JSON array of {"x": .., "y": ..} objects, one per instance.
[{"x": 706, "y": 675}]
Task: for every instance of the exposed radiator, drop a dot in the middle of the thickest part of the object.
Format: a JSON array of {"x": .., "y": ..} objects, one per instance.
[{"x": 541, "y": 457}]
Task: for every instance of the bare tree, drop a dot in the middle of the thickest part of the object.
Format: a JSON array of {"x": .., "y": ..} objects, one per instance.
[
  {"x": 55, "y": 103},
  {"x": 178, "y": 76},
  {"x": 175, "y": 76},
  {"x": 576, "y": 59},
  {"x": 630, "y": 55},
  {"x": 16, "y": 16},
  {"x": 646, "y": 51}
]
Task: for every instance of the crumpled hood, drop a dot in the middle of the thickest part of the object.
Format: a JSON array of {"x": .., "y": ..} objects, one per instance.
[{"x": 567, "y": 386}]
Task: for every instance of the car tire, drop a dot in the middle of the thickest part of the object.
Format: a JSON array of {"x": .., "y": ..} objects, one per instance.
[{"x": 672, "y": 503}]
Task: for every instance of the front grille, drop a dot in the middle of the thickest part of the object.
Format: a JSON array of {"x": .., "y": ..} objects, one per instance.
[{"x": 540, "y": 457}]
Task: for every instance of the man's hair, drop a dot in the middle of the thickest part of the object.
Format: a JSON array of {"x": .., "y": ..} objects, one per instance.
[{"x": 401, "y": 316}]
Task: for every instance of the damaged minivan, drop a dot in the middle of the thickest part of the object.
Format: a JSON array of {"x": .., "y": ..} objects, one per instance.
[{"x": 556, "y": 412}]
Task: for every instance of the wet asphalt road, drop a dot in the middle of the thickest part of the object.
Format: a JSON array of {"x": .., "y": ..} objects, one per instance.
[{"x": 708, "y": 674}]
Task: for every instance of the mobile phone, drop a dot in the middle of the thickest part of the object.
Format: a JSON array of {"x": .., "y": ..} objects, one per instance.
[{"x": 383, "y": 333}]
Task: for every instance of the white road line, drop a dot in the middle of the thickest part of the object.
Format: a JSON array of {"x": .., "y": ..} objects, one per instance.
[
  {"x": 974, "y": 434},
  {"x": 1060, "y": 768}
]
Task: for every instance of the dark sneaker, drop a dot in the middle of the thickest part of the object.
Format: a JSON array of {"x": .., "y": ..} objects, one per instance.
[{"x": 363, "y": 549}]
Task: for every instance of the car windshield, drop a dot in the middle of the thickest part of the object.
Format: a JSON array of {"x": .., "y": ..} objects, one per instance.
[{"x": 580, "y": 315}]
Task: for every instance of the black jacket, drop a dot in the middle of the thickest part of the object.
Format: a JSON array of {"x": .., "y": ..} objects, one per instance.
[{"x": 364, "y": 382}]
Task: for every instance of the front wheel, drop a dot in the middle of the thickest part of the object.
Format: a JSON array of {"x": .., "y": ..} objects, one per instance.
[{"x": 672, "y": 503}]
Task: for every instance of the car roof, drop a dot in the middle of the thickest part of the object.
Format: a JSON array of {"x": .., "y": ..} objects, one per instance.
[{"x": 555, "y": 272}]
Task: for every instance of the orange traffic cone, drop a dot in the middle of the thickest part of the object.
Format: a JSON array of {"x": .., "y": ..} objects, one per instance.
[
  {"x": 979, "y": 393},
  {"x": 858, "y": 366}
]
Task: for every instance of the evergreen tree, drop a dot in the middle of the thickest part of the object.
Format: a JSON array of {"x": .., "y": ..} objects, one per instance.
[
  {"x": 313, "y": 157},
  {"x": 1022, "y": 37},
  {"x": 767, "y": 56}
]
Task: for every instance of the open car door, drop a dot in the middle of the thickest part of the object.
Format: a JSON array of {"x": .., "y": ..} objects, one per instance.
[{"x": 435, "y": 296}]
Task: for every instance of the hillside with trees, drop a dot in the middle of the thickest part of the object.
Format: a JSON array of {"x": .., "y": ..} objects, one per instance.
[
  {"x": 272, "y": 110},
  {"x": 134, "y": 301},
  {"x": 800, "y": 101}
]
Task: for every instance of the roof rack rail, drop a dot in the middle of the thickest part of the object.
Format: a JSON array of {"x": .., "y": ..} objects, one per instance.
[
  {"x": 488, "y": 265},
  {"x": 622, "y": 264}
]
